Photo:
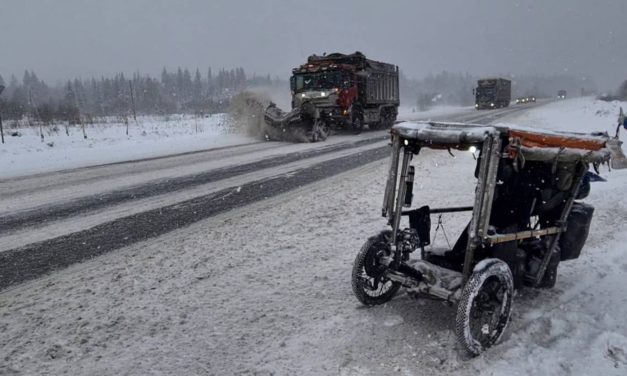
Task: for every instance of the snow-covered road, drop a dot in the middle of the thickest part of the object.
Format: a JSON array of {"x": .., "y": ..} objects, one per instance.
[
  {"x": 46, "y": 206},
  {"x": 265, "y": 289}
]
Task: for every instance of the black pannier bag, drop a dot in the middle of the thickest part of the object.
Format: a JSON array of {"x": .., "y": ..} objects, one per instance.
[
  {"x": 420, "y": 220},
  {"x": 578, "y": 226}
]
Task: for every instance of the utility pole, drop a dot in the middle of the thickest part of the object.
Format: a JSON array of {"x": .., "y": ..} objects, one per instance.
[{"x": 1, "y": 130}]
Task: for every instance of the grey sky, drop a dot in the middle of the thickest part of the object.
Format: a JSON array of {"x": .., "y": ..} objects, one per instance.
[{"x": 67, "y": 38}]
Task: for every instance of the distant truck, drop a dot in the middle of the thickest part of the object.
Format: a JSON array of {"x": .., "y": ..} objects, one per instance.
[
  {"x": 561, "y": 94},
  {"x": 492, "y": 93},
  {"x": 338, "y": 91}
]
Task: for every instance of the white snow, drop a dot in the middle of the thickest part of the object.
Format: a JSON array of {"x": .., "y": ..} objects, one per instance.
[
  {"x": 575, "y": 115},
  {"x": 411, "y": 113},
  {"x": 266, "y": 290},
  {"x": 107, "y": 142}
]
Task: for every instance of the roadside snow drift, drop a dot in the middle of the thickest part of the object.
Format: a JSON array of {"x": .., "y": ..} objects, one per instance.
[{"x": 152, "y": 136}]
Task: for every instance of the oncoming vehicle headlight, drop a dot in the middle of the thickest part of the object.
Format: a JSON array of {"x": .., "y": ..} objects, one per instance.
[
  {"x": 491, "y": 104},
  {"x": 323, "y": 94},
  {"x": 472, "y": 149}
]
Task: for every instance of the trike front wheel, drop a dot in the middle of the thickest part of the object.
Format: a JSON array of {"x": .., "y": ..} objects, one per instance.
[
  {"x": 370, "y": 285},
  {"x": 485, "y": 306}
]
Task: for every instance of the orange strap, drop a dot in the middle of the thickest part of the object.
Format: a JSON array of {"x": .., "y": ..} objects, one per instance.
[{"x": 530, "y": 139}]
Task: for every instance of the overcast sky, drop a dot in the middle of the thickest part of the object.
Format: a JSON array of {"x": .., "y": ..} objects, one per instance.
[{"x": 59, "y": 39}]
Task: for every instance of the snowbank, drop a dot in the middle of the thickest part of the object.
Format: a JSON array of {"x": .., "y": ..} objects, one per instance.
[
  {"x": 107, "y": 142},
  {"x": 578, "y": 115}
]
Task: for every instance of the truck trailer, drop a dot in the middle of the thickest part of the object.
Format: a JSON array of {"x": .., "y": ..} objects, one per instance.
[{"x": 492, "y": 93}]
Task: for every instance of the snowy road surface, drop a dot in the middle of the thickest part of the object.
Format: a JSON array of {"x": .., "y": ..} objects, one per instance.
[
  {"x": 53, "y": 220},
  {"x": 265, "y": 288}
]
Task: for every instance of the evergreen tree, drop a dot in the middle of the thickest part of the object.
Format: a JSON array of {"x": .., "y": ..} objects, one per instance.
[{"x": 197, "y": 87}]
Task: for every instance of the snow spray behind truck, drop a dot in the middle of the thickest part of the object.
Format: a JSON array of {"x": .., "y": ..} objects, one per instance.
[
  {"x": 493, "y": 93},
  {"x": 336, "y": 91}
]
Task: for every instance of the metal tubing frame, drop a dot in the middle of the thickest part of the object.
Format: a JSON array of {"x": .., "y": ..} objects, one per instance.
[
  {"x": 400, "y": 198},
  {"x": 453, "y": 209},
  {"x": 390, "y": 186},
  {"x": 582, "y": 168},
  {"x": 503, "y": 238},
  {"x": 484, "y": 194}
]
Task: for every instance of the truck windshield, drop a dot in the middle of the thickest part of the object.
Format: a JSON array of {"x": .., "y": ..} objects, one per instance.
[{"x": 324, "y": 80}]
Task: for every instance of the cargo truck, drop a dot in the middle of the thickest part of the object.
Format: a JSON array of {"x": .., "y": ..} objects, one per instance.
[
  {"x": 492, "y": 93},
  {"x": 337, "y": 91}
]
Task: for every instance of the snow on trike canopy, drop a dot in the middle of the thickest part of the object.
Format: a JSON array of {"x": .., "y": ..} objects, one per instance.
[
  {"x": 527, "y": 217},
  {"x": 539, "y": 145}
]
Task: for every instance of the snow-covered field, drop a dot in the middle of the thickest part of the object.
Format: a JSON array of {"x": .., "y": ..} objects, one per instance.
[
  {"x": 151, "y": 136},
  {"x": 266, "y": 290}
]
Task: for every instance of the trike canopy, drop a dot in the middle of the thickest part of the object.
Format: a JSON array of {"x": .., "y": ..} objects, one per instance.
[{"x": 534, "y": 144}]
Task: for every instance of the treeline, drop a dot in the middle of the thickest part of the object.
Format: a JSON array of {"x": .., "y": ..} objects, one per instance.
[
  {"x": 442, "y": 88},
  {"x": 178, "y": 91}
]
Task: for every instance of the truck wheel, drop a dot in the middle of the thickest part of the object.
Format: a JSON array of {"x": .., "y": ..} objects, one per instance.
[
  {"x": 358, "y": 125},
  {"x": 323, "y": 131},
  {"x": 370, "y": 286},
  {"x": 320, "y": 132},
  {"x": 388, "y": 117},
  {"x": 376, "y": 126},
  {"x": 485, "y": 306}
]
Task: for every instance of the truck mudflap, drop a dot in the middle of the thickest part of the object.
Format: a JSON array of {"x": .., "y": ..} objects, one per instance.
[{"x": 296, "y": 125}]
